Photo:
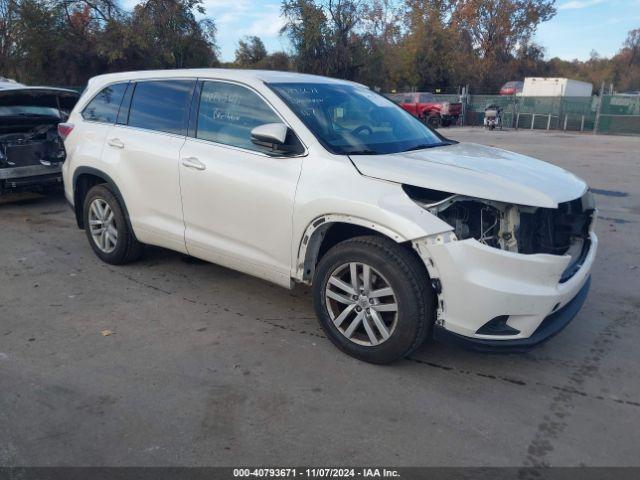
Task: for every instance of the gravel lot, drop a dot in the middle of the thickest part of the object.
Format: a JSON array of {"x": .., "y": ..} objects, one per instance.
[{"x": 207, "y": 366}]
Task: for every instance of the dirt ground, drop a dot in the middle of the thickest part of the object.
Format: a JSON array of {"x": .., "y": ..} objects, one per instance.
[{"x": 206, "y": 366}]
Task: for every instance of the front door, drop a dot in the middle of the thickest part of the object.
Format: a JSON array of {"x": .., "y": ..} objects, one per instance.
[{"x": 237, "y": 200}]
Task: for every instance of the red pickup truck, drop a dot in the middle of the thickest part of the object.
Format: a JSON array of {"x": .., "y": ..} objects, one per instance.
[{"x": 427, "y": 108}]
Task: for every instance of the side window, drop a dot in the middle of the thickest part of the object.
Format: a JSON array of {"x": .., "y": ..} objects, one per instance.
[
  {"x": 104, "y": 106},
  {"x": 161, "y": 105},
  {"x": 427, "y": 98},
  {"x": 228, "y": 113}
]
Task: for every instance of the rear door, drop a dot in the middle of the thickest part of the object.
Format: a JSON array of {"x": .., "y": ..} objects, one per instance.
[
  {"x": 143, "y": 151},
  {"x": 237, "y": 200},
  {"x": 98, "y": 117}
]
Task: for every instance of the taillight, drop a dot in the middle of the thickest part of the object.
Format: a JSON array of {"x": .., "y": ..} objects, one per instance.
[{"x": 64, "y": 129}]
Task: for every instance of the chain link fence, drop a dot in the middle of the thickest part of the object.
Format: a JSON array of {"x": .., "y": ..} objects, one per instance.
[{"x": 607, "y": 114}]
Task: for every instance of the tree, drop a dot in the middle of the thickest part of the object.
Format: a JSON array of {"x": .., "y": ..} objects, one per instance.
[
  {"x": 627, "y": 63},
  {"x": 324, "y": 35},
  {"x": 306, "y": 26},
  {"x": 432, "y": 45},
  {"x": 344, "y": 44},
  {"x": 65, "y": 42},
  {"x": 275, "y": 61},
  {"x": 9, "y": 36},
  {"x": 250, "y": 51},
  {"x": 381, "y": 34},
  {"x": 386, "y": 44},
  {"x": 632, "y": 46},
  {"x": 497, "y": 27},
  {"x": 167, "y": 34}
]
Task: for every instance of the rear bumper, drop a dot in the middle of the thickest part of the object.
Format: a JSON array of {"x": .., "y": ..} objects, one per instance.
[
  {"x": 550, "y": 326},
  {"x": 481, "y": 284},
  {"x": 11, "y": 173}
]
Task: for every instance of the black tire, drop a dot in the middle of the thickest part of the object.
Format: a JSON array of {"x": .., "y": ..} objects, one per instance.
[
  {"x": 407, "y": 276},
  {"x": 127, "y": 247},
  {"x": 434, "y": 121}
]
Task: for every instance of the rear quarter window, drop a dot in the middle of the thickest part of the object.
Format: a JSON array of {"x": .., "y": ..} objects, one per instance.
[{"x": 104, "y": 106}]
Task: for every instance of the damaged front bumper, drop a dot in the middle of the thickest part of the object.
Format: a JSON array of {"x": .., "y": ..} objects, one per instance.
[{"x": 492, "y": 299}]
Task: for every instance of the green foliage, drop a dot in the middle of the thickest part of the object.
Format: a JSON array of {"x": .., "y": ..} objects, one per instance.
[
  {"x": 434, "y": 45},
  {"x": 250, "y": 51},
  {"x": 307, "y": 29},
  {"x": 438, "y": 44},
  {"x": 66, "y": 42}
]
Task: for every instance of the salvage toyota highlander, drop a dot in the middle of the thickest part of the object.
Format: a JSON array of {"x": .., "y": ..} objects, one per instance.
[{"x": 402, "y": 233}]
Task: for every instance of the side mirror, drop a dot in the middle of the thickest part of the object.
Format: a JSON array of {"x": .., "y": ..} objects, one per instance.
[{"x": 274, "y": 136}]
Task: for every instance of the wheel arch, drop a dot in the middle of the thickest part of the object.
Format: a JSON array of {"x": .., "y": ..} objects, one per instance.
[
  {"x": 326, "y": 231},
  {"x": 83, "y": 179}
]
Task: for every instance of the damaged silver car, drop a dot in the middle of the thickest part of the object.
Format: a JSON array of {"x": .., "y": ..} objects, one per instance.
[{"x": 31, "y": 151}]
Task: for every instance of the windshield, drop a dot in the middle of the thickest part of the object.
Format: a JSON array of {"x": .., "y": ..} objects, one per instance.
[{"x": 349, "y": 119}]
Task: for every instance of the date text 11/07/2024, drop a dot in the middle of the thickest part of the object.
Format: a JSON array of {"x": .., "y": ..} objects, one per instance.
[{"x": 315, "y": 472}]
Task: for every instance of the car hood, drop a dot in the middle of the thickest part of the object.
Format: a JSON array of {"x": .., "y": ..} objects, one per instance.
[{"x": 477, "y": 171}]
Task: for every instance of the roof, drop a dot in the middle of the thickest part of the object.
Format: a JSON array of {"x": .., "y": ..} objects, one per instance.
[{"x": 245, "y": 76}]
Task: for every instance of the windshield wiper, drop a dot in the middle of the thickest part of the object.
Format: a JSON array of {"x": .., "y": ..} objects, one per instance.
[
  {"x": 364, "y": 151},
  {"x": 426, "y": 145}
]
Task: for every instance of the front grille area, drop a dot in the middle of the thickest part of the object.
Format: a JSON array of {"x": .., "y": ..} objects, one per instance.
[{"x": 558, "y": 230}]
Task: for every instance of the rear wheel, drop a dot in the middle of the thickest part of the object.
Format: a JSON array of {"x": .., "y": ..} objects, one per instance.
[
  {"x": 373, "y": 299},
  {"x": 107, "y": 229}
]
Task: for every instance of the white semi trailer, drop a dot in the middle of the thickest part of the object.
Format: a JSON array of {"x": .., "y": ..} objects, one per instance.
[{"x": 555, "y": 87}]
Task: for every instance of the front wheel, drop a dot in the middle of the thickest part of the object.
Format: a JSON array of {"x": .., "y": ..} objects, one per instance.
[{"x": 373, "y": 299}]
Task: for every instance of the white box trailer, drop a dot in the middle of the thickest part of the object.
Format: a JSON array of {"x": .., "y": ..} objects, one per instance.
[{"x": 555, "y": 87}]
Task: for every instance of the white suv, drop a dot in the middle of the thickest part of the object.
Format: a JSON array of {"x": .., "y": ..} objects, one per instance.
[{"x": 299, "y": 178}]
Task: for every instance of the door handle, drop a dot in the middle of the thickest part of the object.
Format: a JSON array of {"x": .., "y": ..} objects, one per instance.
[
  {"x": 115, "y": 143},
  {"x": 193, "y": 162}
]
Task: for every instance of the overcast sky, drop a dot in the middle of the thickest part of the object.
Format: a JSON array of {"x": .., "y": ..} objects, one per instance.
[{"x": 579, "y": 27}]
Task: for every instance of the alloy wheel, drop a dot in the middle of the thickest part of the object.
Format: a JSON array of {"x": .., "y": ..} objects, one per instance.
[
  {"x": 102, "y": 225},
  {"x": 361, "y": 303}
]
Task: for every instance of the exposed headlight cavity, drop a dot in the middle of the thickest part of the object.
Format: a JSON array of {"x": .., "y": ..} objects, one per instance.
[{"x": 515, "y": 228}]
